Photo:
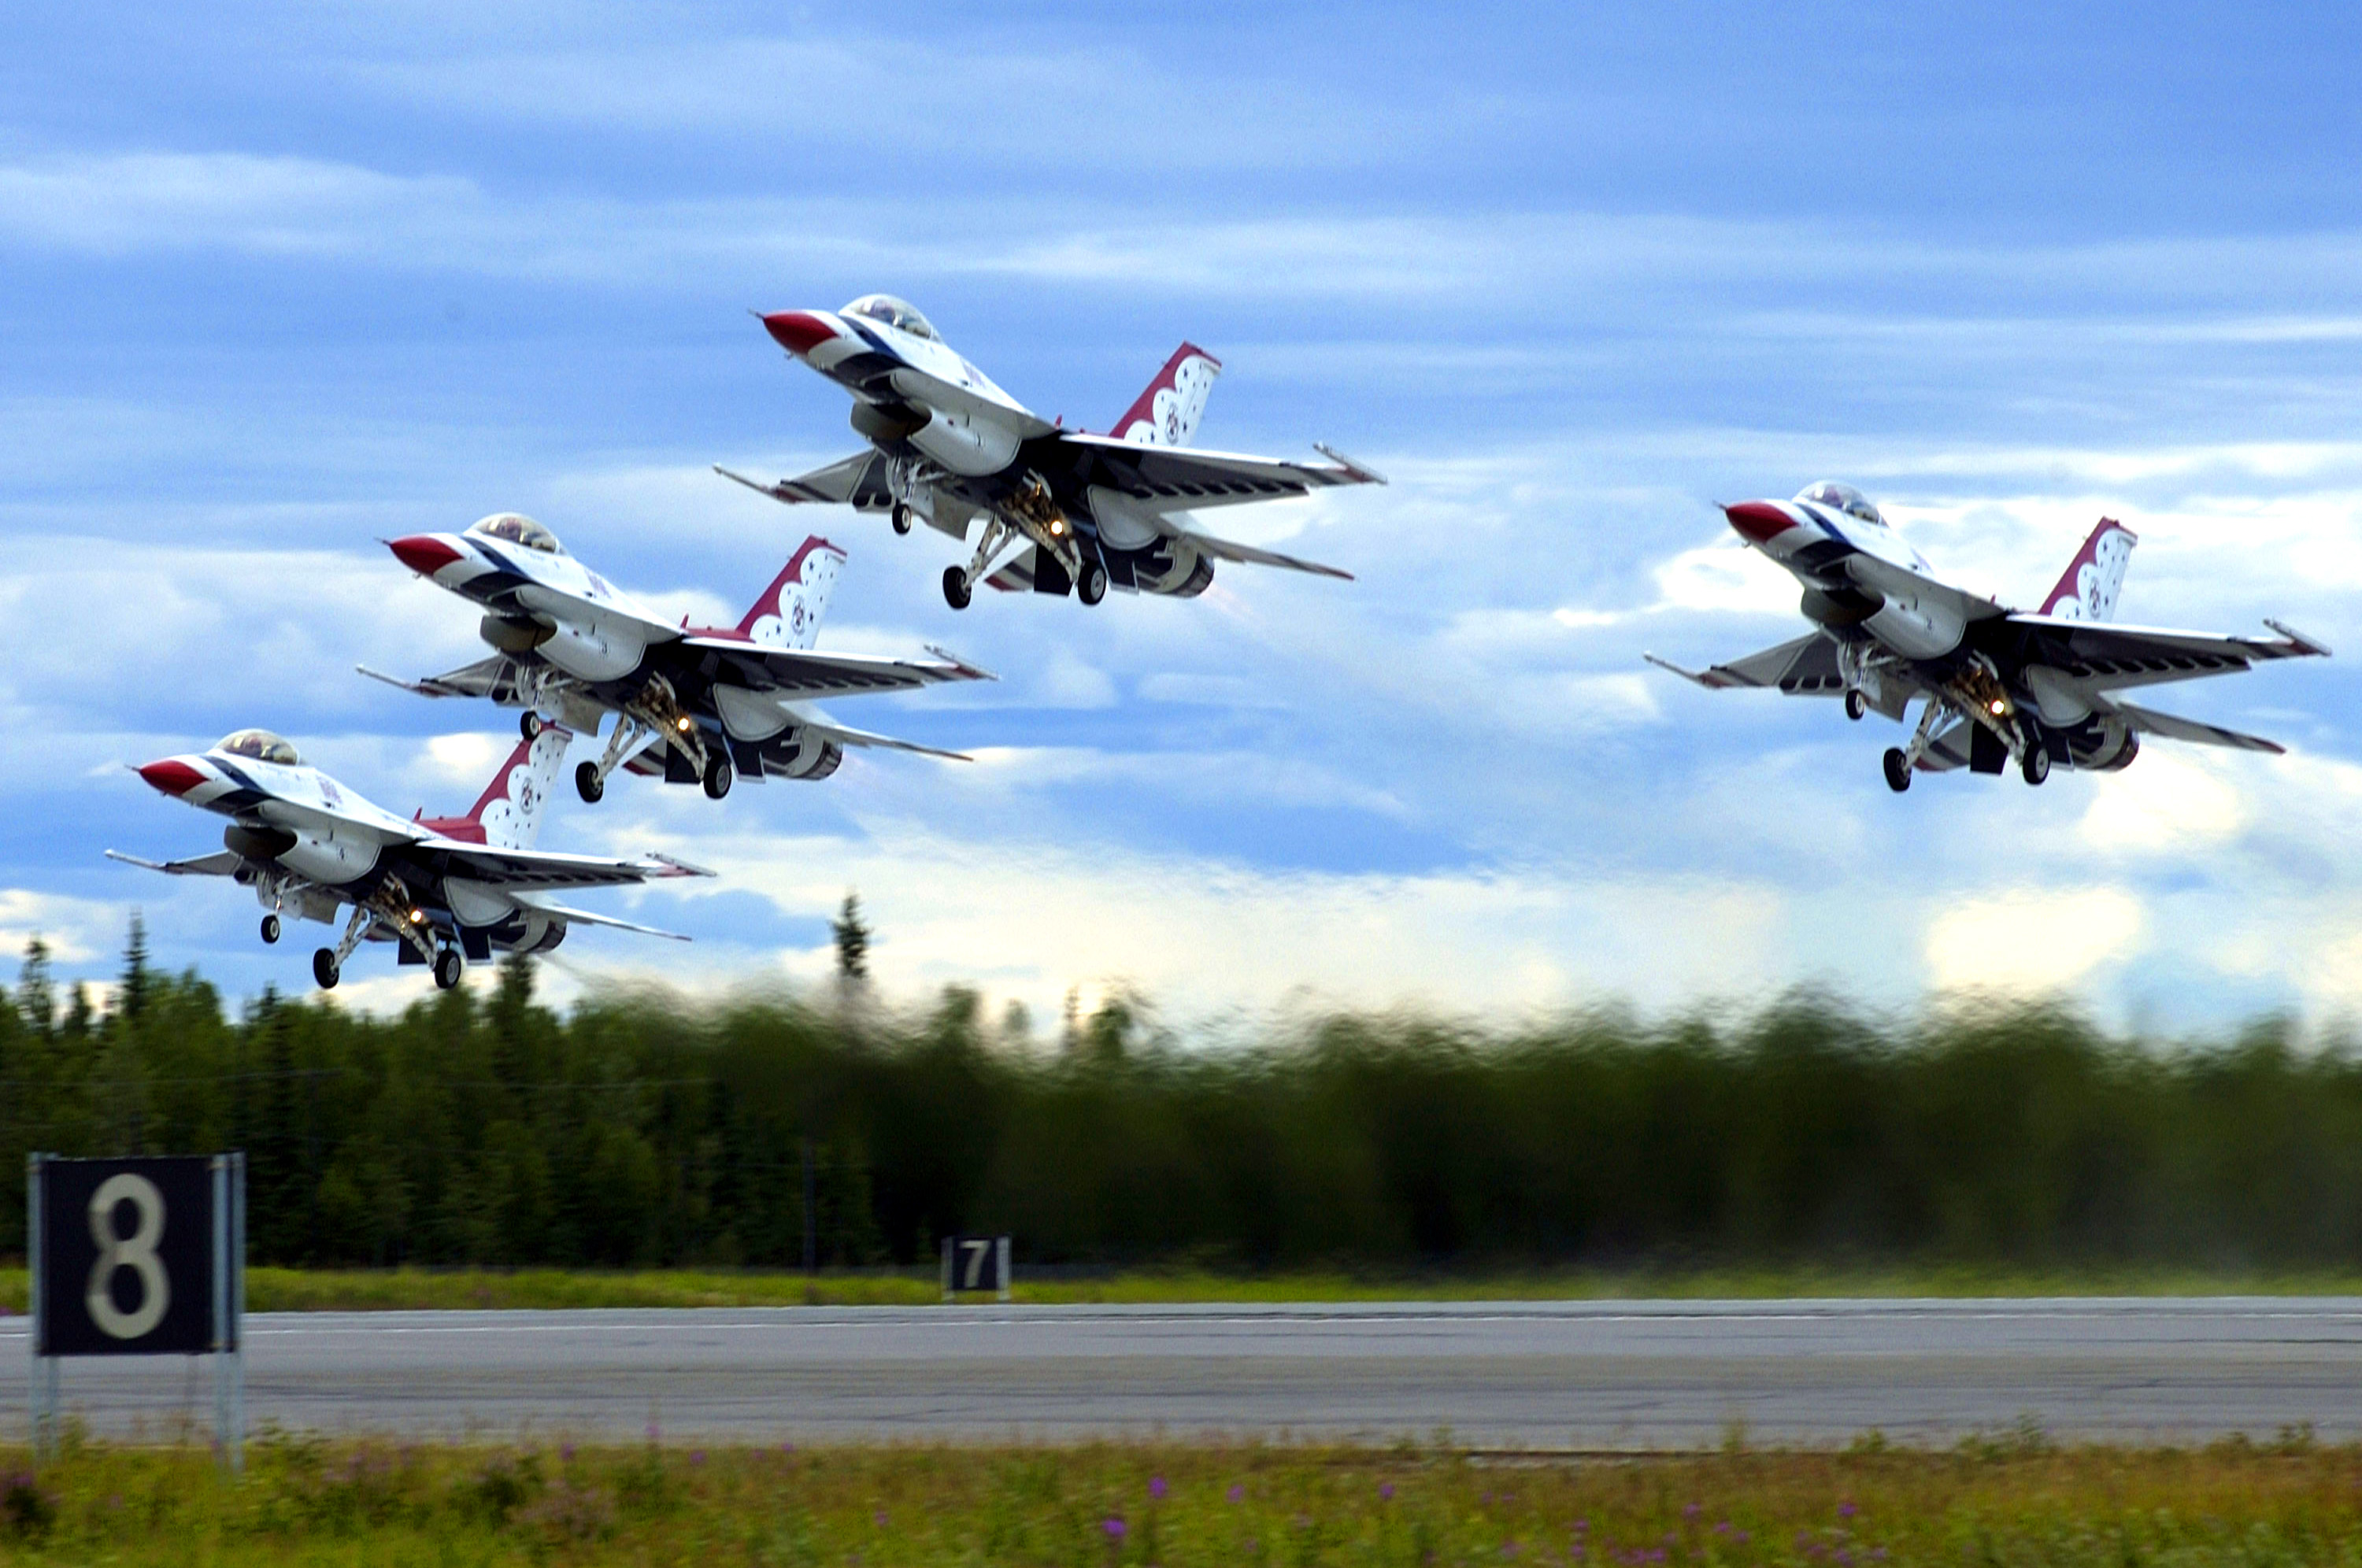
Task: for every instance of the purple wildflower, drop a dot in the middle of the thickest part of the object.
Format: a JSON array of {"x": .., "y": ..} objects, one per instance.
[
  {"x": 566, "y": 1451},
  {"x": 1237, "y": 1492},
  {"x": 1386, "y": 1491},
  {"x": 1157, "y": 1487},
  {"x": 881, "y": 1518},
  {"x": 1846, "y": 1509},
  {"x": 1508, "y": 1549},
  {"x": 1115, "y": 1527},
  {"x": 697, "y": 1456},
  {"x": 652, "y": 1432},
  {"x": 1692, "y": 1511}
]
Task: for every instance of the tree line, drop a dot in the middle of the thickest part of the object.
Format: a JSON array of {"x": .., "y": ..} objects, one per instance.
[{"x": 643, "y": 1128}]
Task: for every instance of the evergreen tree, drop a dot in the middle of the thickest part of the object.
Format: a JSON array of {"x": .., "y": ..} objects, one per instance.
[
  {"x": 852, "y": 942},
  {"x": 133, "y": 998},
  {"x": 37, "y": 999}
]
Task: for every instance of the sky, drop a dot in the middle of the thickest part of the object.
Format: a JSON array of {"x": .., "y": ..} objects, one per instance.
[{"x": 277, "y": 283}]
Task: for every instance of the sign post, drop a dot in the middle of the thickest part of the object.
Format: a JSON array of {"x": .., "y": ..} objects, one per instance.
[
  {"x": 976, "y": 1263},
  {"x": 139, "y": 1257}
]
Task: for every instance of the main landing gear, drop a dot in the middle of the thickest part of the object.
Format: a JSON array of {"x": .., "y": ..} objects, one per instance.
[
  {"x": 957, "y": 592},
  {"x": 717, "y": 774},
  {"x": 588, "y": 783},
  {"x": 1898, "y": 770},
  {"x": 271, "y": 928},
  {"x": 2036, "y": 764},
  {"x": 903, "y": 517},
  {"x": 328, "y": 962},
  {"x": 448, "y": 967},
  {"x": 1856, "y": 704},
  {"x": 529, "y": 725},
  {"x": 1091, "y": 586}
]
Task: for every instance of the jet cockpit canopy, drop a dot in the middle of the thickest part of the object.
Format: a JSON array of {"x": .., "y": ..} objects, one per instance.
[
  {"x": 519, "y": 529},
  {"x": 894, "y": 313},
  {"x": 1843, "y": 498},
  {"x": 262, "y": 745}
]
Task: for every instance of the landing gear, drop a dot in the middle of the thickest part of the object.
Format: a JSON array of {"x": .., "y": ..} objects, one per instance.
[
  {"x": 1091, "y": 586},
  {"x": 448, "y": 967},
  {"x": 717, "y": 774},
  {"x": 529, "y": 725},
  {"x": 2036, "y": 764},
  {"x": 1856, "y": 705},
  {"x": 588, "y": 784},
  {"x": 324, "y": 968},
  {"x": 957, "y": 592},
  {"x": 328, "y": 962},
  {"x": 903, "y": 517},
  {"x": 1898, "y": 770},
  {"x": 271, "y": 928}
]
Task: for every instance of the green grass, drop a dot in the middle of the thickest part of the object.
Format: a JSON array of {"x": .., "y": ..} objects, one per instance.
[
  {"x": 285, "y": 1290},
  {"x": 2004, "y": 1502}
]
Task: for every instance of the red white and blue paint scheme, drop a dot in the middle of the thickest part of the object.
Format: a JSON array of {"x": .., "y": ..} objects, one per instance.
[
  {"x": 951, "y": 449},
  {"x": 692, "y": 703},
  {"x": 444, "y": 890},
  {"x": 2002, "y": 686}
]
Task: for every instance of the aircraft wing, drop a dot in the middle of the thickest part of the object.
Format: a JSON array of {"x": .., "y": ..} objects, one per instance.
[
  {"x": 800, "y": 672},
  {"x": 524, "y": 870},
  {"x": 1180, "y": 479},
  {"x": 585, "y": 917},
  {"x": 1806, "y": 667},
  {"x": 2107, "y": 657},
  {"x": 223, "y": 863},
  {"x": 858, "y": 481}
]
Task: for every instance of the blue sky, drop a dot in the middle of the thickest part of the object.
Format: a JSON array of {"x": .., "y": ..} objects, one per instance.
[{"x": 282, "y": 280}]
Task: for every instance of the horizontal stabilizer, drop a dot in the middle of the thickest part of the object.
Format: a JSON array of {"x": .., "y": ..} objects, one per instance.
[
  {"x": 2173, "y": 727},
  {"x": 858, "y": 480},
  {"x": 1805, "y": 667},
  {"x": 586, "y": 918},
  {"x": 1230, "y": 550},
  {"x": 222, "y": 863}
]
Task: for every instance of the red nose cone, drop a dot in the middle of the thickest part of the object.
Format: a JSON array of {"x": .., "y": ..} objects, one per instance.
[
  {"x": 424, "y": 553},
  {"x": 171, "y": 776},
  {"x": 1758, "y": 520},
  {"x": 799, "y": 331}
]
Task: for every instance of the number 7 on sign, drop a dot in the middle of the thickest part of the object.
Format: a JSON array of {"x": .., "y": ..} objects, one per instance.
[{"x": 978, "y": 1251}]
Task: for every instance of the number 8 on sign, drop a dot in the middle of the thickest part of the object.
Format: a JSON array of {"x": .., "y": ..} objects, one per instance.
[{"x": 135, "y": 1251}]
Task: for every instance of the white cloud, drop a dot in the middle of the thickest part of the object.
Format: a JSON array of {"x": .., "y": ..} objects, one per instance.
[
  {"x": 2169, "y": 803},
  {"x": 2032, "y": 941}
]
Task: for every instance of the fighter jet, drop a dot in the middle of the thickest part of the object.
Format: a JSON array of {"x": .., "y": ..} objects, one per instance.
[
  {"x": 692, "y": 704},
  {"x": 446, "y": 890},
  {"x": 2001, "y": 686},
  {"x": 950, "y": 449}
]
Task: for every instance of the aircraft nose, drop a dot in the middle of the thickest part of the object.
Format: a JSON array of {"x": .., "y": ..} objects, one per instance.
[
  {"x": 422, "y": 553},
  {"x": 171, "y": 776},
  {"x": 798, "y": 331},
  {"x": 1758, "y": 520}
]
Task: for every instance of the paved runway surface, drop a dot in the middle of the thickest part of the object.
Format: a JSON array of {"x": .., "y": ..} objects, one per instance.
[{"x": 1557, "y": 1374}]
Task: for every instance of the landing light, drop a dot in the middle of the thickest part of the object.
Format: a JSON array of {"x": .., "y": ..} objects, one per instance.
[
  {"x": 1998, "y": 707},
  {"x": 681, "y": 724},
  {"x": 418, "y": 917}
]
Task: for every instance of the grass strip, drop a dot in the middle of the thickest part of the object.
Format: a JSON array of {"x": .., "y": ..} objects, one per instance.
[
  {"x": 2007, "y": 1500},
  {"x": 299, "y": 1290}
]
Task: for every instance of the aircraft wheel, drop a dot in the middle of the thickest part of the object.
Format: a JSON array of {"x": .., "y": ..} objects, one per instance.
[
  {"x": 324, "y": 968},
  {"x": 448, "y": 967},
  {"x": 271, "y": 928},
  {"x": 957, "y": 591},
  {"x": 1856, "y": 705},
  {"x": 1898, "y": 770},
  {"x": 718, "y": 774},
  {"x": 529, "y": 724},
  {"x": 588, "y": 784},
  {"x": 903, "y": 517},
  {"x": 1092, "y": 587},
  {"x": 2036, "y": 765}
]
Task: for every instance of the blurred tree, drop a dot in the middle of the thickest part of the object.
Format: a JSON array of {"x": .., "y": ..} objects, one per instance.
[{"x": 852, "y": 942}]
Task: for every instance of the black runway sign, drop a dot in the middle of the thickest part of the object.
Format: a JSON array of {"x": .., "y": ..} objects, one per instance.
[{"x": 127, "y": 1259}]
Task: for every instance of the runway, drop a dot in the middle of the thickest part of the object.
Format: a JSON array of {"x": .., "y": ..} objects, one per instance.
[{"x": 1494, "y": 1375}]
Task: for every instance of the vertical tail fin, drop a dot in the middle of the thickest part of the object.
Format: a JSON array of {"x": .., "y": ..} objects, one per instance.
[
  {"x": 2095, "y": 577},
  {"x": 1167, "y": 413},
  {"x": 508, "y": 815},
  {"x": 788, "y": 615}
]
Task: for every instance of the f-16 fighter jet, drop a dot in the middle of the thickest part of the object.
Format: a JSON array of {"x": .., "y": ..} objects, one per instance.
[
  {"x": 692, "y": 704},
  {"x": 444, "y": 890},
  {"x": 950, "y": 449},
  {"x": 2002, "y": 686}
]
